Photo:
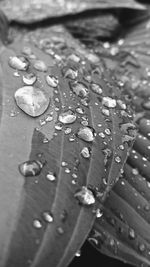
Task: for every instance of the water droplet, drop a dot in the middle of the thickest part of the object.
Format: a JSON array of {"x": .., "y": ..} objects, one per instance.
[
  {"x": 67, "y": 170},
  {"x": 18, "y": 63},
  {"x": 30, "y": 168},
  {"x": 58, "y": 126},
  {"x": 142, "y": 247},
  {"x": 121, "y": 104},
  {"x": 67, "y": 117},
  {"x": 60, "y": 230},
  {"x": 146, "y": 207},
  {"x": 16, "y": 74},
  {"x": 99, "y": 213},
  {"x": 85, "y": 102},
  {"x": 78, "y": 253},
  {"x": 108, "y": 131},
  {"x": 67, "y": 130},
  {"x": 79, "y": 89},
  {"x": 70, "y": 73},
  {"x": 52, "y": 80},
  {"x": 85, "y": 196},
  {"x": 109, "y": 102},
  {"x": 29, "y": 78},
  {"x": 117, "y": 159},
  {"x": 37, "y": 224},
  {"x": 86, "y": 152},
  {"x": 51, "y": 176},
  {"x": 105, "y": 111},
  {"x": 63, "y": 216},
  {"x": 48, "y": 216},
  {"x": 31, "y": 100},
  {"x": 96, "y": 88},
  {"x": 45, "y": 140},
  {"x": 64, "y": 164},
  {"x": 131, "y": 233},
  {"x": 80, "y": 110},
  {"x": 40, "y": 65},
  {"x": 86, "y": 134},
  {"x": 121, "y": 147},
  {"x": 14, "y": 113},
  {"x": 135, "y": 171},
  {"x": 74, "y": 58}
]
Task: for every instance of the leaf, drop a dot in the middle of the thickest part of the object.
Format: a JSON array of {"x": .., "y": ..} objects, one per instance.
[
  {"x": 43, "y": 172},
  {"x": 92, "y": 28},
  {"x": 38, "y": 10},
  {"x": 123, "y": 230}
]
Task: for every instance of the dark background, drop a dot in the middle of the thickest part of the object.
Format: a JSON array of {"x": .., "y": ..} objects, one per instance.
[{"x": 90, "y": 257}]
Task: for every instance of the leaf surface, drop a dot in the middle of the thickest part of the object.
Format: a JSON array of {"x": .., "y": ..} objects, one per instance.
[
  {"x": 30, "y": 11},
  {"x": 43, "y": 220}
]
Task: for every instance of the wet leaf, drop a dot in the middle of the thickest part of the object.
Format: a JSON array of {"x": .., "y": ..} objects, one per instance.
[
  {"x": 49, "y": 190},
  {"x": 34, "y": 11},
  {"x": 123, "y": 230}
]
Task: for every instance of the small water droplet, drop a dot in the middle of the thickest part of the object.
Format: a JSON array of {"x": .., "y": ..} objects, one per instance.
[
  {"x": 109, "y": 102},
  {"x": 45, "y": 140},
  {"x": 70, "y": 73},
  {"x": 117, "y": 159},
  {"x": 85, "y": 196},
  {"x": 135, "y": 171},
  {"x": 78, "y": 253},
  {"x": 48, "y": 118},
  {"x": 37, "y": 224},
  {"x": 86, "y": 134},
  {"x": 142, "y": 247},
  {"x": 52, "y": 80},
  {"x": 16, "y": 74},
  {"x": 48, "y": 217},
  {"x": 121, "y": 147},
  {"x": 51, "y": 176},
  {"x": 30, "y": 168},
  {"x": 86, "y": 152},
  {"x": 80, "y": 110},
  {"x": 96, "y": 88},
  {"x": 99, "y": 213},
  {"x": 67, "y": 117},
  {"x": 18, "y": 63},
  {"x": 67, "y": 131},
  {"x": 40, "y": 65},
  {"x": 60, "y": 230},
  {"x": 107, "y": 131},
  {"x": 74, "y": 58},
  {"x": 14, "y": 113},
  {"x": 67, "y": 170},
  {"x": 29, "y": 78},
  {"x": 63, "y": 216},
  {"x": 31, "y": 100},
  {"x": 121, "y": 104},
  {"x": 64, "y": 164},
  {"x": 131, "y": 233},
  {"x": 58, "y": 126},
  {"x": 105, "y": 111},
  {"x": 79, "y": 89}
]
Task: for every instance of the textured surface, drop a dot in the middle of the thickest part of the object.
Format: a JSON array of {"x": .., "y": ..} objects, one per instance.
[{"x": 30, "y": 10}]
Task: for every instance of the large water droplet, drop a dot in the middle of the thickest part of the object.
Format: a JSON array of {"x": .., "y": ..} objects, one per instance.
[
  {"x": 30, "y": 168},
  {"x": 18, "y": 63},
  {"x": 85, "y": 196},
  {"x": 29, "y": 78},
  {"x": 40, "y": 65},
  {"x": 109, "y": 102},
  {"x": 52, "y": 80},
  {"x": 31, "y": 100},
  {"x": 67, "y": 117},
  {"x": 86, "y": 133},
  {"x": 96, "y": 88},
  {"x": 86, "y": 152},
  {"x": 79, "y": 89}
]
